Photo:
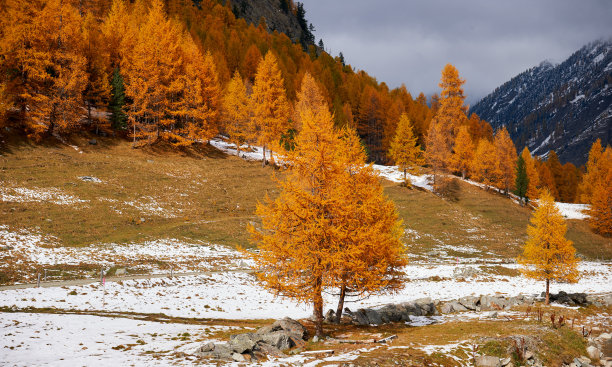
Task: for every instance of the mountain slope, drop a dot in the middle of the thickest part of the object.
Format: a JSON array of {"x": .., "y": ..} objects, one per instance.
[{"x": 563, "y": 107}]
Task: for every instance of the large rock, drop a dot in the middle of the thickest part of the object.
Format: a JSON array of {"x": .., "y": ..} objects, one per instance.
[
  {"x": 330, "y": 316},
  {"x": 411, "y": 309},
  {"x": 392, "y": 313},
  {"x": 470, "y": 302},
  {"x": 373, "y": 317},
  {"x": 491, "y": 303},
  {"x": 427, "y": 306},
  {"x": 278, "y": 339},
  {"x": 360, "y": 318},
  {"x": 241, "y": 343},
  {"x": 292, "y": 327},
  {"x": 488, "y": 361}
]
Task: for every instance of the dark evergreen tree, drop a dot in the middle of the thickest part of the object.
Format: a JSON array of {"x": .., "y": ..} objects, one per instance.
[
  {"x": 522, "y": 180},
  {"x": 321, "y": 45},
  {"x": 284, "y": 5},
  {"x": 341, "y": 57},
  {"x": 117, "y": 101}
]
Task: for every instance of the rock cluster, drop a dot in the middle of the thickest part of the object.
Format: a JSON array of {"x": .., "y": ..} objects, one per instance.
[
  {"x": 269, "y": 340},
  {"x": 484, "y": 303},
  {"x": 571, "y": 299},
  {"x": 399, "y": 312}
]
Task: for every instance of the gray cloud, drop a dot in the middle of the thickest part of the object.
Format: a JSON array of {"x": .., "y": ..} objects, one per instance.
[{"x": 489, "y": 41}]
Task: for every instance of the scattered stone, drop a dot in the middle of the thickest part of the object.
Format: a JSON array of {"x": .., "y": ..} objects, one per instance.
[
  {"x": 506, "y": 362},
  {"x": 464, "y": 272},
  {"x": 529, "y": 355},
  {"x": 120, "y": 271},
  {"x": 238, "y": 357},
  {"x": 373, "y": 317},
  {"x": 330, "y": 316},
  {"x": 488, "y": 361},
  {"x": 315, "y": 339},
  {"x": 90, "y": 179}
]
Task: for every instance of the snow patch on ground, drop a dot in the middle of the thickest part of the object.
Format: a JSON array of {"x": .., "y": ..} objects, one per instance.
[
  {"x": 237, "y": 295},
  {"x": 35, "y": 250},
  {"x": 30, "y": 339},
  {"x": 573, "y": 211},
  {"x": 27, "y": 195},
  {"x": 393, "y": 174}
]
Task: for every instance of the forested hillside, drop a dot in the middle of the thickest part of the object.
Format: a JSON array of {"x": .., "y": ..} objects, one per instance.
[{"x": 158, "y": 70}]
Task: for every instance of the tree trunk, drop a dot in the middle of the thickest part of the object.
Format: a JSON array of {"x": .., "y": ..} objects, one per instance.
[
  {"x": 463, "y": 174},
  {"x": 271, "y": 157},
  {"x": 404, "y": 174},
  {"x": 547, "y": 292},
  {"x": 263, "y": 162},
  {"x": 318, "y": 309},
  {"x": 340, "y": 303}
]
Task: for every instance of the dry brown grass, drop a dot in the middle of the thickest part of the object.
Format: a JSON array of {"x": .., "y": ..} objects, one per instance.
[{"x": 212, "y": 197}]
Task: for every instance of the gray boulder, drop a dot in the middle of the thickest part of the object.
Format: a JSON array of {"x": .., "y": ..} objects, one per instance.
[
  {"x": 278, "y": 339},
  {"x": 411, "y": 309},
  {"x": 360, "y": 318},
  {"x": 427, "y": 306},
  {"x": 488, "y": 361},
  {"x": 292, "y": 327},
  {"x": 470, "y": 302},
  {"x": 391, "y": 313},
  {"x": 464, "y": 272},
  {"x": 330, "y": 316},
  {"x": 446, "y": 308},
  {"x": 491, "y": 303},
  {"x": 241, "y": 343},
  {"x": 373, "y": 317}
]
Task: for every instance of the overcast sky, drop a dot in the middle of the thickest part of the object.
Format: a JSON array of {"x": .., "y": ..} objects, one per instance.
[{"x": 489, "y": 41}]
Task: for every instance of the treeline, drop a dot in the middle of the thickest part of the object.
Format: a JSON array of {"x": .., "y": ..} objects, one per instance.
[{"x": 467, "y": 147}]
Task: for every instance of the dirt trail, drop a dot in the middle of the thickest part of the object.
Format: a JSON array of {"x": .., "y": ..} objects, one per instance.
[{"x": 71, "y": 282}]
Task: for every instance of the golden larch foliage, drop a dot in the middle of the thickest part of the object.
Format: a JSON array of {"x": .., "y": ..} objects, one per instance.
[
  {"x": 484, "y": 166},
  {"x": 41, "y": 41},
  {"x": 547, "y": 180},
  {"x": 449, "y": 116},
  {"x": 237, "y": 111},
  {"x": 599, "y": 172},
  {"x": 593, "y": 174},
  {"x": 463, "y": 152},
  {"x": 310, "y": 236},
  {"x": 309, "y": 99},
  {"x": 405, "y": 151},
  {"x": 505, "y": 153},
  {"x": 271, "y": 108},
  {"x": 532, "y": 174},
  {"x": 547, "y": 254}
]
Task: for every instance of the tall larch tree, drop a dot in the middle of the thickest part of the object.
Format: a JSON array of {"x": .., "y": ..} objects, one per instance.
[
  {"x": 236, "y": 111},
  {"x": 505, "y": 153},
  {"x": 556, "y": 169},
  {"x": 250, "y": 63},
  {"x": 372, "y": 254},
  {"x": 599, "y": 194},
  {"x": 547, "y": 181},
  {"x": 200, "y": 97},
  {"x": 303, "y": 239},
  {"x": 97, "y": 90},
  {"x": 593, "y": 174},
  {"x": 271, "y": 108},
  {"x": 484, "y": 164},
  {"x": 533, "y": 178},
  {"x": 450, "y": 114},
  {"x": 547, "y": 254},
  {"x": 463, "y": 152},
  {"x": 309, "y": 98},
  {"x": 405, "y": 151}
]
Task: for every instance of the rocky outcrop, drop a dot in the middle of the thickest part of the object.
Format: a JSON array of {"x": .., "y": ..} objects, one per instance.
[
  {"x": 400, "y": 312},
  {"x": 269, "y": 340}
]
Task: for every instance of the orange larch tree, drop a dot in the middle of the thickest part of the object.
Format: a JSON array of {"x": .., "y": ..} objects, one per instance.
[
  {"x": 309, "y": 98},
  {"x": 484, "y": 166},
  {"x": 449, "y": 116},
  {"x": 532, "y": 175},
  {"x": 304, "y": 239},
  {"x": 271, "y": 108},
  {"x": 237, "y": 111},
  {"x": 463, "y": 152},
  {"x": 592, "y": 175},
  {"x": 598, "y": 190},
  {"x": 547, "y": 254},
  {"x": 251, "y": 61},
  {"x": 505, "y": 152},
  {"x": 41, "y": 44},
  {"x": 405, "y": 151}
]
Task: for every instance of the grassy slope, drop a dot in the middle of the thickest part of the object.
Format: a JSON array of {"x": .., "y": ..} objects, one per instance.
[{"x": 212, "y": 196}]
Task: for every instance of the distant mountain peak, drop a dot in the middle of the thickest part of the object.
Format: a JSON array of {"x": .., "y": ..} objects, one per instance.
[{"x": 564, "y": 107}]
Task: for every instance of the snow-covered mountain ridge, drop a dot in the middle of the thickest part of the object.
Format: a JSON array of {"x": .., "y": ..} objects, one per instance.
[{"x": 563, "y": 107}]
